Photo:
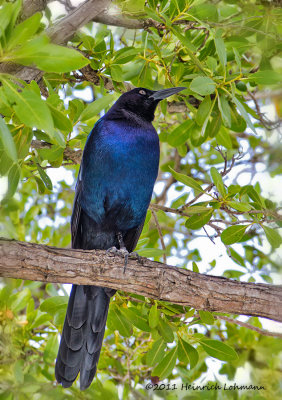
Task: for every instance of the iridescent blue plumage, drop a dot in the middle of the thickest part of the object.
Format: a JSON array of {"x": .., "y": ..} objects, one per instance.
[
  {"x": 114, "y": 188},
  {"x": 118, "y": 173}
]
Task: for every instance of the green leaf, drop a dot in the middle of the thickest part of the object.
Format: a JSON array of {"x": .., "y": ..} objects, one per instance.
[
  {"x": 211, "y": 63},
  {"x": 186, "y": 180},
  {"x": 203, "y": 85},
  {"x": 30, "y": 108},
  {"x": 19, "y": 301},
  {"x": 195, "y": 267},
  {"x": 13, "y": 179},
  {"x": 194, "y": 209},
  {"x": 94, "y": 108},
  {"x": 237, "y": 57},
  {"x": 217, "y": 180},
  {"x": 253, "y": 194},
  {"x": 52, "y": 304},
  {"x": 125, "y": 55},
  {"x": 233, "y": 234},
  {"x": 238, "y": 124},
  {"x": 136, "y": 320},
  {"x": 154, "y": 316},
  {"x": 203, "y": 111},
  {"x": 223, "y": 138},
  {"x": 240, "y": 206},
  {"x": 51, "y": 349},
  {"x": 165, "y": 367},
  {"x": 18, "y": 372},
  {"x": 7, "y": 140},
  {"x": 187, "y": 353},
  {"x": 183, "y": 40},
  {"x": 150, "y": 252},
  {"x": 214, "y": 125},
  {"x": 48, "y": 57},
  {"x": 60, "y": 120},
  {"x": 116, "y": 73},
  {"x": 47, "y": 181},
  {"x": 165, "y": 331},
  {"x": 236, "y": 257},
  {"x": 266, "y": 77},
  {"x": 197, "y": 221},
  {"x": 156, "y": 354},
  {"x": 180, "y": 134},
  {"x": 224, "y": 108},
  {"x": 220, "y": 49},
  {"x": 206, "y": 317},
  {"x": 272, "y": 236},
  {"x": 40, "y": 185},
  {"x": 116, "y": 321},
  {"x": 6, "y": 12},
  {"x": 219, "y": 350},
  {"x": 24, "y": 31},
  {"x": 244, "y": 113}
]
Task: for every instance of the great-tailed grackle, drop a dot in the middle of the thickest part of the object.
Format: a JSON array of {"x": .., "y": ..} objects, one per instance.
[{"x": 113, "y": 191}]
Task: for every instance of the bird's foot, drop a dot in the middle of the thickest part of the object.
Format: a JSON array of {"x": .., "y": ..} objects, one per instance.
[
  {"x": 125, "y": 254},
  {"x": 135, "y": 255},
  {"x": 121, "y": 252}
]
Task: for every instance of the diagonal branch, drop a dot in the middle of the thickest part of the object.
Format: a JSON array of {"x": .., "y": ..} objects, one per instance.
[{"x": 152, "y": 279}]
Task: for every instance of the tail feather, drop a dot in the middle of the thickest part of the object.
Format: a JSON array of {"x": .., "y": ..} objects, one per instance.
[
  {"x": 82, "y": 335},
  {"x": 68, "y": 372},
  {"x": 94, "y": 342},
  {"x": 86, "y": 376},
  {"x": 74, "y": 337},
  {"x": 77, "y": 307}
]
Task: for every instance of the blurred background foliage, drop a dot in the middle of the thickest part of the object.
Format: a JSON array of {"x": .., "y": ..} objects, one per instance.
[{"x": 215, "y": 208}]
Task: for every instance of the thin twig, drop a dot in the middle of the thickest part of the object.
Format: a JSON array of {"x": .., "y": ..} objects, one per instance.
[
  {"x": 248, "y": 326},
  {"x": 211, "y": 239},
  {"x": 160, "y": 234}
]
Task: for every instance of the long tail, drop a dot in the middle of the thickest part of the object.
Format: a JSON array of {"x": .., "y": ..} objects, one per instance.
[{"x": 82, "y": 335}]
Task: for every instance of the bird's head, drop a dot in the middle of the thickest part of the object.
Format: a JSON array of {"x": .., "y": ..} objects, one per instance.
[{"x": 141, "y": 102}]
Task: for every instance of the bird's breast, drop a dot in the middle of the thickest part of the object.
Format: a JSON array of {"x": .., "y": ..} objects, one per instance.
[{"x": 119, "y": 177}]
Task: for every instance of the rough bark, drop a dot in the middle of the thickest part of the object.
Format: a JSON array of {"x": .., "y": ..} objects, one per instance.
[{"x": 152, "y": 279}]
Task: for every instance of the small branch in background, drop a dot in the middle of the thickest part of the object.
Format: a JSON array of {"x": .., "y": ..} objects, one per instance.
[
  {"x": 186, "y": 213},
  {"x": 69, "y": 154},
  {"x": 216, "y": 228},
  {"x": 211, "y": 239},
  {"x": 90, "y": 75},
  {"x": 267, "y": 123},
  {"x": 160, "y": 234},
  {"x": 248, "y": 326}
]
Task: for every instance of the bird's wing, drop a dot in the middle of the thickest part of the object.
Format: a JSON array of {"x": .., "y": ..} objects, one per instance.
[
  {"x": 76, "y": 233},
  {"x": 131, "y": 237}
]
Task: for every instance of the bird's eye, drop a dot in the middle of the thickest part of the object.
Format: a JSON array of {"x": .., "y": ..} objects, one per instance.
[{"x": 142, "y": 92}]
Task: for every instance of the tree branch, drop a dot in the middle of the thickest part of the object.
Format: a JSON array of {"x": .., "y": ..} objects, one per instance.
[
  {"x": 261, "y": 331},
  {"x": 65, "y": 28},
  {"x": 69, "y": 154},
  {"x": 23, "y": 260}
]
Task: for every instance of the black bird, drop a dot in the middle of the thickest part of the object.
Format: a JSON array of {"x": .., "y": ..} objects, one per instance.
[{"x": 113, "y": 191}]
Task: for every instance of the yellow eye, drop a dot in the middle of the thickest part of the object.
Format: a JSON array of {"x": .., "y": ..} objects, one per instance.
[{"x": 142, "y": 92}]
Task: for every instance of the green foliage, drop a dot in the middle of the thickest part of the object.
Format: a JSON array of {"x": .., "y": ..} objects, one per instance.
[{"x": 224, "y": 53}]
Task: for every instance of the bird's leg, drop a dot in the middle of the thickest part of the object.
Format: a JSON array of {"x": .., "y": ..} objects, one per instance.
[{"x": 123, "y": 250}]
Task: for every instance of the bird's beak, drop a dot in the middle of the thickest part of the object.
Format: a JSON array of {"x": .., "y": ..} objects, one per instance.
[{"x": 164, "y": 93}]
